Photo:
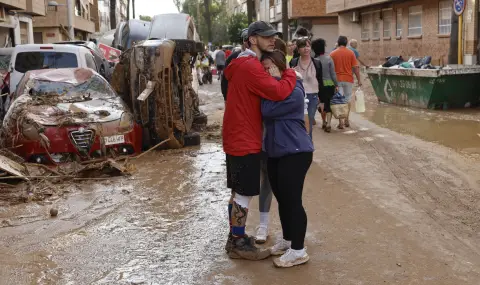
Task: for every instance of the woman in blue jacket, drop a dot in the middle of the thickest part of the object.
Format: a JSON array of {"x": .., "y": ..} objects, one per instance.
[{"x": 290, "y": 153}]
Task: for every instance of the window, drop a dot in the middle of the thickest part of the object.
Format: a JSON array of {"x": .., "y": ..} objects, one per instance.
[
  {"x": 376, "y": 25},
  {"x": 415, "y": 21},
  {"x": 26, "y": 61},
  {"x": 90, "y": 61},
  {"x": 399, "y": 21},
  {"x": 444, "y": 17},
  {"x": 387, "y": 23},
  {"x": 366, "y": 20}
]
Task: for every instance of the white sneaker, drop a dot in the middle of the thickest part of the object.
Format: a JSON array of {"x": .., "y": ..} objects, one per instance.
[
  {"x": 262, "y": 234},
  {"x": 280, "y": 247},
  {"x": 292, "y": 258}
]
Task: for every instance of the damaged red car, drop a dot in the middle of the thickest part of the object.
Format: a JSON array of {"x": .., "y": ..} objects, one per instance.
[{"x": 64, "y": 115}]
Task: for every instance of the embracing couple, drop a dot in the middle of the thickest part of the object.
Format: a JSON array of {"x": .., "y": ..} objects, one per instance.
[{"x": 265, "y": 110}]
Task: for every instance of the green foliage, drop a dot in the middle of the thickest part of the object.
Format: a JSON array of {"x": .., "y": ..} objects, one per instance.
[
  {"x": 218, "y": 16},
  {"x": 145, "y": 18},
  {"x": 236, "y": 23}
]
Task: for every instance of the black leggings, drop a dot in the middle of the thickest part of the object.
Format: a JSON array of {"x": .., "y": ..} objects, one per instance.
[{"x": 287, "y": 175}]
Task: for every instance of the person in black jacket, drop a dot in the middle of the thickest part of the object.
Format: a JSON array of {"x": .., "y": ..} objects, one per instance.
[
  {"x": 224, "y": 82},
  {"x": 311, "y": 70}
]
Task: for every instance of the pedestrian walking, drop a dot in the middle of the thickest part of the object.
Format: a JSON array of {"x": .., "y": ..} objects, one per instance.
[
  {"x": 248, "y": 82},
  {"x": 244, "y": 39},
  {"x": 330, "y": 83},
  {"x": 288, "y": 163},
  {"x": 345, "y": 65},
  {"x": 311, "y": 71},
  {"x": 353, "y": 46},
  {"x": 220, "y": 61}
]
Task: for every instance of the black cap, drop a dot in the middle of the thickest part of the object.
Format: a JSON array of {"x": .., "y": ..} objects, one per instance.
[
  {"x": 244, "y": 35},
  {"x": 261, "y": 28}
]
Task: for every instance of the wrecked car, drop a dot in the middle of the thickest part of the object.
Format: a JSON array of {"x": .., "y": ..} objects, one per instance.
[
  {"x": 154, "y": 78},
  {"x": 64, "y": 115}
]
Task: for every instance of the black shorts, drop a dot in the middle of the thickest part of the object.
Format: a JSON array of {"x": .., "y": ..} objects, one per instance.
[
  {"x": 243, "y": 174},
  {"x": 220, "y": 67},
  {"x": 325, "y": 96}
]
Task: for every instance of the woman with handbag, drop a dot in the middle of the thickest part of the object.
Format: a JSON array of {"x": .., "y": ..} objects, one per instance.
[
  {"x": 330, "y": 84},
  {"x": 311, "y": 71},
  {"x": 290, "y": 153}
]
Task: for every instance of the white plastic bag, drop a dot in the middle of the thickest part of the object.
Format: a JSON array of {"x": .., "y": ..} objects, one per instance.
[{"x": 359, "y": 101}]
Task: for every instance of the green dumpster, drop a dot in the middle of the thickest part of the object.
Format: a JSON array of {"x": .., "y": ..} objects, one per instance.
[{"x": 456, "y": 86}]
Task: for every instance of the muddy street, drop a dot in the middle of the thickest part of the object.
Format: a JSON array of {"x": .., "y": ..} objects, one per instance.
[{"x": 393, "y": 200}]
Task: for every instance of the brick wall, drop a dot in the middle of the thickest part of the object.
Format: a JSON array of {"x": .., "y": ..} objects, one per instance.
[
  {"x": 309, "y": 8},
  {"x": 374, "y": 51}
]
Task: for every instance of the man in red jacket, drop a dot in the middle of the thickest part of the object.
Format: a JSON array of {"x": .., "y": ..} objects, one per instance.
[{"x": 248, "y": 82}]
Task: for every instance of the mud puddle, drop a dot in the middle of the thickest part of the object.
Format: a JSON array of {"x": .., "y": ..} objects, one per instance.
[
  {"x": 458, "y": 129},
  {"x": 162, "y": 226}
]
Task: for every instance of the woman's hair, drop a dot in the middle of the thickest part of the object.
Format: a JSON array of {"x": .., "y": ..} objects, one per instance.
[
  {"x": 281, "y": 45},
  {"x": 318, "y": 46},
  {"x": 278, "y": 58},
  {"x": 301, "y": 43}
]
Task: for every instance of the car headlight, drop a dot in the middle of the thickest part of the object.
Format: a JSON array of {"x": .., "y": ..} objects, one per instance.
[{"x": 126, "y": 122}]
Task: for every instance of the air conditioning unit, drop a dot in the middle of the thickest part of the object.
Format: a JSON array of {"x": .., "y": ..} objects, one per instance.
[{"x": 355, "y": 18}]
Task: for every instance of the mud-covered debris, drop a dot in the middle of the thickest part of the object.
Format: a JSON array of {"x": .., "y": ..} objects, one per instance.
[
  {"x": 53, "y": 212},
  {"x": 9, "y": 167}
]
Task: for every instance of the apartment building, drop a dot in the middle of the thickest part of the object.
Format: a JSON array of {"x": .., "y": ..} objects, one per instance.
[
  {"x": 52, "y": 27},
  {"x": 104, "y": 15},
  {"x": 16, "y": 21},
  {"x": 409, "y": 28}
]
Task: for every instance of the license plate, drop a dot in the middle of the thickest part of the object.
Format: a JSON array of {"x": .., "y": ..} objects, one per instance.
[{"x": 114, "y": 140}]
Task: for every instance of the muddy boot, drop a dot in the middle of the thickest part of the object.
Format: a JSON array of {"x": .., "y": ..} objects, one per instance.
[
  {"x": 244, "y": 248},
  {"x": 328, "y": 128},
  {"x": 229, "y": 245}
]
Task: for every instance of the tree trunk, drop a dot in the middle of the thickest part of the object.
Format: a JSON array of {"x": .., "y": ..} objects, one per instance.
[
  {"x": 453, "y": 51},
  {"x": 285, "y": 20},
  {"x": 133, "y": 9},
  {"x": 208, "y": 19},
  {"x": 113, "y": 15},
  {"x": 128, "y": 10},
  {"x": 250, "y": 8}
]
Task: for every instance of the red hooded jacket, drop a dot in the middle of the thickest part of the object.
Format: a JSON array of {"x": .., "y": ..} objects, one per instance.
[{"x": 248, "y": 82}]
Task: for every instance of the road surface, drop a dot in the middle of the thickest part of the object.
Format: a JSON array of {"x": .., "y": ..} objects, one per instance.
[{"x": 385, "y": 205}]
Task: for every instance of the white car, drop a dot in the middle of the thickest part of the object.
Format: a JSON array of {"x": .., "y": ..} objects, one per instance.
[{"x": 47, "y": 56}]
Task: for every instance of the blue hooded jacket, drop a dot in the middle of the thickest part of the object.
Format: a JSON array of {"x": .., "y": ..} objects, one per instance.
[{"x": 285, "y": 131}]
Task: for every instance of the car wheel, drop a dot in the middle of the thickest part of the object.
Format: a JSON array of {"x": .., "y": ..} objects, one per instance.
[
  {"x": 146, "y": 140},
  {"x": 192, "y": 139}
]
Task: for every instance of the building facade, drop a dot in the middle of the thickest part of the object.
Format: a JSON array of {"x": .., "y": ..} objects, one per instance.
[
  {"x": 16, "y": 21},
  {"x": 414, "y": 28},
  {"x": 53, "y": 27}
]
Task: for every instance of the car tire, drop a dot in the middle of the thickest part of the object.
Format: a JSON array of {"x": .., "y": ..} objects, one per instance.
[
  {"x": 192, "y": 139},
  {"x": 146, "y": 139}
]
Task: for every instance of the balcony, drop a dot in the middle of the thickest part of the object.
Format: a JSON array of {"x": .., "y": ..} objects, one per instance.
[
  {"x": 14, "y": 4},
  {"x": 35, "y": 8},
  {"x": 272, "y": 14},
  {"x": 84, "y": 25},
  {"x": 334, "y": 6}
]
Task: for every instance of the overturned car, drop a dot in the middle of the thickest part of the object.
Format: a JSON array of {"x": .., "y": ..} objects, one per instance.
[
  {"x": 64, "y": 115},
  {"x": 154, "y": 78}
]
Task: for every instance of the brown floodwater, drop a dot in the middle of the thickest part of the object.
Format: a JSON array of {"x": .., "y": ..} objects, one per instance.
[{"x": 457, "y": 129}]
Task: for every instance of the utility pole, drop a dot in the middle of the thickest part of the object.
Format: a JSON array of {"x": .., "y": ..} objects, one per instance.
[
  {"x": 70, "y": 15},
  {"x": 285, "y": 20},
  {"x": 133, "y": 8}
]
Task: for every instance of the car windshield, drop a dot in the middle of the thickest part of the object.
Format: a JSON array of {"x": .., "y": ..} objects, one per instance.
[
  {"x": 26, "y": 61},
  {"x": 93, "y": 88}
]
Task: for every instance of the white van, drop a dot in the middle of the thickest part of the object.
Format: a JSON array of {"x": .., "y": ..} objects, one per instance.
[{"x": 46, "y": 56}]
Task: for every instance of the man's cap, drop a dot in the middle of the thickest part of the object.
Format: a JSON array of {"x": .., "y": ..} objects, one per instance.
[
  {"x": 244, "y": 35},
  {"x": 262, "y": 29}
]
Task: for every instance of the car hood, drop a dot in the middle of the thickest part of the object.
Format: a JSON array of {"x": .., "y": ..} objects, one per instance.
[{"x": 93, "y": 111}]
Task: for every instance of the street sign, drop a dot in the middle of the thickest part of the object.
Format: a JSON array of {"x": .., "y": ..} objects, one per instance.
[
  {"x": 111, "y": 54},
  {"x": 459, "y": 6}
]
